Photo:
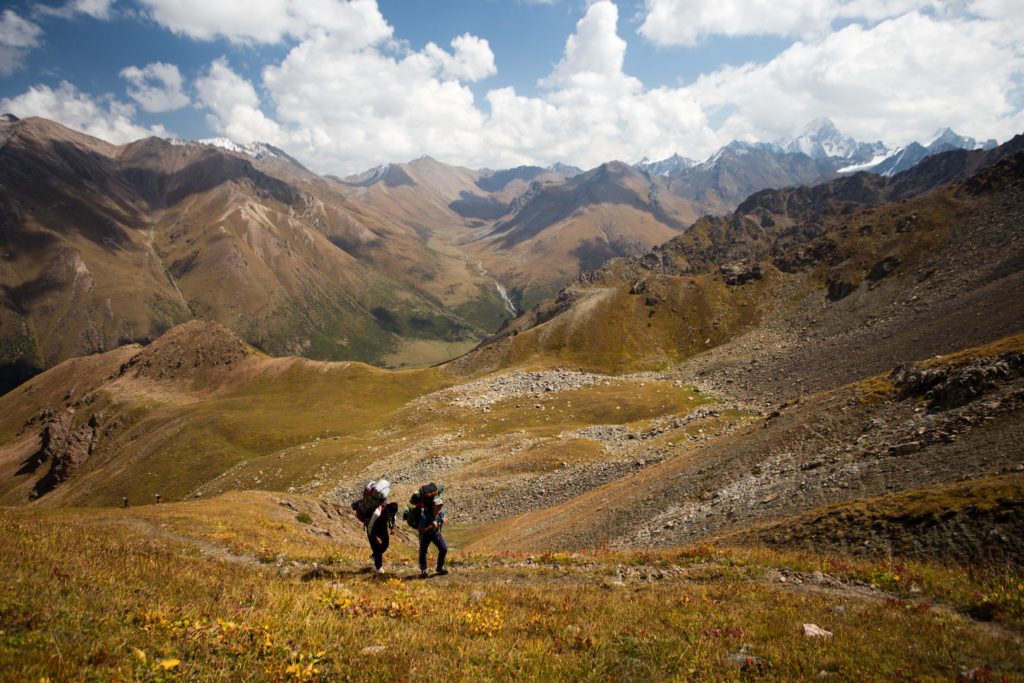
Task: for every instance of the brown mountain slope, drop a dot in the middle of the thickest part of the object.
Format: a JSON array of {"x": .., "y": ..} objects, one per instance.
[
  {"x": 828, "y": 280},
  {"x": 556, "y": 230},
  {"x": 104, "y": 245},
  {"x": 419, "y": 193},
  {"x": 532, "y": 230},
  {"x": 869, "y": 289}
]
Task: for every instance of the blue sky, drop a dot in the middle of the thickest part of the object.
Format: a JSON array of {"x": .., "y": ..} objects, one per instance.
[{"x": 347, "y": 84}]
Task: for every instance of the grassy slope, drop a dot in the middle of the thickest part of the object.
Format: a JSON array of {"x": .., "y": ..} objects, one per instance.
[
  {"x": 610, "y": 329},
  {"x": 179, "y": 592},
  {"x": 171, "y": 436},
  {"x": 444, "y": 428}
]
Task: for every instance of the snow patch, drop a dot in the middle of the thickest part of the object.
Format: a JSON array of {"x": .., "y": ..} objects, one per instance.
[{"x": 868, "y": 165}]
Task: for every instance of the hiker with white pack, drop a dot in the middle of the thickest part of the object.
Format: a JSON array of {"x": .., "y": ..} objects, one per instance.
[{"x": 378, "y": 518}]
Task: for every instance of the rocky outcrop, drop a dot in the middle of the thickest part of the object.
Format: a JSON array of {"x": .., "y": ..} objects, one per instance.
[
  {"x": 64, "y": 445},
  {"x": 799, "y": 256},
  {"x": 951, "y": 386},
  {"x": 186, "y": 349}
]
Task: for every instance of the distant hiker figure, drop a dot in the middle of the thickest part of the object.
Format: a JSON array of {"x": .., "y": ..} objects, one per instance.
[
  {"x": 124, "y": 501},
  {"x": 431, "y": 521},
  {"x": 157, "y": 496},
  {"x": 378, "y": 518}
]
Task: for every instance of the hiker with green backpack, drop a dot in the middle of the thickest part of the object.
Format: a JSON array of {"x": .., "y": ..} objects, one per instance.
[
  {"x": 426, "y": 514},
  {"x": 430, "y": 532}
]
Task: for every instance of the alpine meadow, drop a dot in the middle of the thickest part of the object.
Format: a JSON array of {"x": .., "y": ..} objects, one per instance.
[{"x": 543, "y": 340}]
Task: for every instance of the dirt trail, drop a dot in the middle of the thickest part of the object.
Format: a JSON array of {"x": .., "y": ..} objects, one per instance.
[{"x": 207, "y": 548}]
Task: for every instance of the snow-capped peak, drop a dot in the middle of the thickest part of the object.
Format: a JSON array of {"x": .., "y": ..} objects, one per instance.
[
  {"x": 821, "y": 127},
  {"x": 667, "y": 166},
  {"x": 256, "y": 150},
  {"x": 820, "y": 139},
  {"x": 225, "y": 143},
  {"x": 946, "y": 139}
]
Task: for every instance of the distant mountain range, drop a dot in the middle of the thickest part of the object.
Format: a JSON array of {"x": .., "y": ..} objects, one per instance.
[
  {"x": 105, "y": 245},
  {"x": 404, "y": 264},
  {"x": 822, "y": 141},
  {"x": 817, "y": 154}
]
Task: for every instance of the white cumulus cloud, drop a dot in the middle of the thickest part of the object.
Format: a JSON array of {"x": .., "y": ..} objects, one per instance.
[
  {"x": 686, "y": 22},
  {"x": 104, "y": 117},
  {"x": 358, "y": 23},
  {"x": 592, "y": 111},
  {"x": 99, "y": 9},
  {"x": 897, "y": 81},
  {"x": 235, "y": 106},
  {"x": 17, "y": 37},
  {"x": 347, "y": 95},
  {"x": 351, "y": 108},
  {"x": 343, "y": 108},
  {"x": 156, "y": 87},
  {"x": 595, "y": 50},
  {"x": 472, "y": 59}
]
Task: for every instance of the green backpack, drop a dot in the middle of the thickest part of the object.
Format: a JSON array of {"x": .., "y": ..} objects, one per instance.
[{"x": 414, "y": 510}]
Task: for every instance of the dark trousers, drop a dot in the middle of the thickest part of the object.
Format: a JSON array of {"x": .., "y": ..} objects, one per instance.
[
  {"x": 437, "y": 539},
  {"x": 379, "y": 546}
]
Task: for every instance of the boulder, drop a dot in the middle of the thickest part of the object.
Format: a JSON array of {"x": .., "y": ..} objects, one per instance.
[
  {"x": 839, "y": 289},
  {"x": 740, "y": 272},
  {"x": 883, "y": 268},
  {"x": 815, "y": 631}
]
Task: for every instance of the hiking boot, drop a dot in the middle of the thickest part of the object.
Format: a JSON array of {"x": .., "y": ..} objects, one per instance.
[
  {"x": 441, "y": 571},
  {"x": 380, "y": 570},
  {"x": 423, "y": 573}
]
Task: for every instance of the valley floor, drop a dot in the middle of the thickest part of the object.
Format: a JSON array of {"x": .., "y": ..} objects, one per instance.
[{"x": 258, "y": 586}]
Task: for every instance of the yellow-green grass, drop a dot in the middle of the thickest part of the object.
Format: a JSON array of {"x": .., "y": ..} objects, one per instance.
[
  {"x": 547, "y": 456},
  {"x": 992, "y": 592},
  {"x": 612, "y": 330},
  {"x": 175, "y": 438},
  {"x": 97, "y": 595},
  {"x": 419, "y": 353},
  {"x": 998, "y": 347},
  {"x": 275, "y": 412},
  {"x": 633, "y": 403}
]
